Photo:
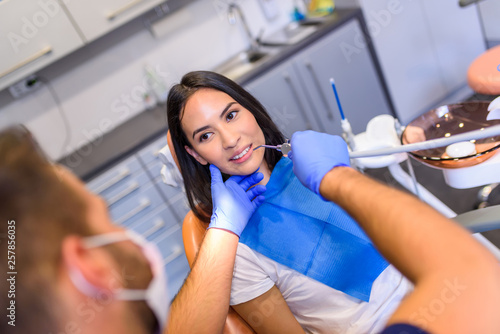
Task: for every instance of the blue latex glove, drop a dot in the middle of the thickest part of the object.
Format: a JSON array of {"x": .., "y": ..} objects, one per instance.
[
  {"x": 233, "y": 203},
  {"x": 314, "y": 154}
]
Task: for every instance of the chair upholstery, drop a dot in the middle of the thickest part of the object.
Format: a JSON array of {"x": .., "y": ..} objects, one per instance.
[
  {"x": 193, "y": 231},
  {"x": 483, "y": 75}
]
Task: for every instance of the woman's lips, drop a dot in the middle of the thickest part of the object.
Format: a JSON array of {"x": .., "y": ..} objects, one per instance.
[{"x": 243, "y": 155}]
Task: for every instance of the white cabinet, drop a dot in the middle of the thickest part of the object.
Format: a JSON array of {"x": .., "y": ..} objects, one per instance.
[
  {"x": 357, "y": 82},
  {"x": 298, "y": 94},
  {"x": 97, "y": 17},
  {"x": 424, "y": 48},
  {"x": 34, "y": 34},
  {"x": 281, "y": 93}
]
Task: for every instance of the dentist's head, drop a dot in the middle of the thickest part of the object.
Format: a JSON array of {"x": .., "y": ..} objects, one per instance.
[{"x": 72, "y": 269}]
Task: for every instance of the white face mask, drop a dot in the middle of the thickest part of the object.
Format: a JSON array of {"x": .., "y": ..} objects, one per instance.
[{"x": 155, "y": 295}]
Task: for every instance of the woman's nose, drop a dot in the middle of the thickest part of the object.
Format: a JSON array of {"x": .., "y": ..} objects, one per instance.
[{"x": 230, "y": 139}]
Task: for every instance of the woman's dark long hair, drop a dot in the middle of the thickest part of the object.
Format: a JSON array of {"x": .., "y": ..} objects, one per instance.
[{"x": 197, "y": 176}]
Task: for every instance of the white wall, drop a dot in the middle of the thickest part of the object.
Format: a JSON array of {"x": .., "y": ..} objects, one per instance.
[
  {"x": 490, "y": 14},
  {"x": 100, "y": 86}
]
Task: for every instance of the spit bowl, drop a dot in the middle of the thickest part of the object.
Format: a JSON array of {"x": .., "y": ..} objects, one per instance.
[{"x": 446, "y": 121}]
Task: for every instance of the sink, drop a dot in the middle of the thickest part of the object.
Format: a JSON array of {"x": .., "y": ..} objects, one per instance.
[
  {"x": 289, "y": 35},
  {"x": 242, "y": 63},
  {"x": 245, "y": 61}
]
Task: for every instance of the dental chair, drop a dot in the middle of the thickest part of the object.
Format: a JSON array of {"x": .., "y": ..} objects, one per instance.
[{"x": 193, "y": 231}]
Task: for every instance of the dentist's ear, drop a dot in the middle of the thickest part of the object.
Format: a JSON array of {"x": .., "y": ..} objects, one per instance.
[
  {"x": 96, "y": 265},
  {"x": 195, "y": 155}
]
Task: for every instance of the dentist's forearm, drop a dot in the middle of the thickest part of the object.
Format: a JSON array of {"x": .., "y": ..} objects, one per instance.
[
  {"x": 452, "y": 272},
  {"x": 399, "y": 224}
]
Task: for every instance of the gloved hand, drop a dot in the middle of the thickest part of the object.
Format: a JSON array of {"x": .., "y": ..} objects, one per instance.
[
  {"x": 232, "y": 201},
  {"x": 314, "y": 154}
]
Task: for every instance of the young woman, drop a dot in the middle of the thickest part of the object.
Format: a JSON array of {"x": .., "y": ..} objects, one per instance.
[{"x": 281, "y": 282}]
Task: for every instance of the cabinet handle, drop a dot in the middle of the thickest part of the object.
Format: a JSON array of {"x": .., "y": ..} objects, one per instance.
[
  {"x": 317, "y": 85},
  {"x": 111, "y": 16},
  {"x": 294, "y": 90},
  {"x": 144, "y": 204},
  {"x": 120, "y": 176},
  {"x": 157, "y": 225},
  {"x": 39, "y": 54},
  {"x": 175, "y": 254},
  {"x": 131, "y": 188}
]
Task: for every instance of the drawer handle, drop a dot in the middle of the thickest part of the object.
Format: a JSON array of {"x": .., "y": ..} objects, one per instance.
[
  {"x": 144, "y": 204},
  {"x": 111, "y": 16},
  {"x": 175, "y": 254},
  {"x": 296, "y": 97},
  {"x": 130, "y": 189},
  {"x": 120, "y": 176},
  {"x": 329, "y": 113},
  {"x": 158, "y": 224},
  {"x": 28, "y": 60}
]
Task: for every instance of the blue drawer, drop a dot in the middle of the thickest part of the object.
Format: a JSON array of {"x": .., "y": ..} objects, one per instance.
[
  {"x": 127, "y": 187},
  {"x": 136, "y": 205},
  {"x": 157, "y": 222},
  {"x": 175, "y": 262},
  {"x": 154, "y": 169},
  {"x": 176, "y": 198},
  {"x": 112, "y": 178},
  {"x": 150, "y": 153}
]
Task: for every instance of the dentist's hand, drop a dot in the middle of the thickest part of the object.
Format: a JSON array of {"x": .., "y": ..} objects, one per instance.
[
  {"x": 314, "y": 154},
  {"x": 233, "y": 203}
]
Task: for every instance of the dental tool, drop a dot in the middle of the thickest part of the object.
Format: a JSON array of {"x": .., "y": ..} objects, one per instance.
[
  {"x": 346, "y": 126},
  {"x": 488, "y": 132},
  {"x": 284, "y": 148}
]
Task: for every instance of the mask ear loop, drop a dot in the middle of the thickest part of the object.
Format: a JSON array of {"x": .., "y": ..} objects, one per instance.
[{"x": 105, "y": 239}]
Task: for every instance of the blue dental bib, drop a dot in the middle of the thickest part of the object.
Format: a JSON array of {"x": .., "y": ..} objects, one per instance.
[{"x": 296, "y": 228}]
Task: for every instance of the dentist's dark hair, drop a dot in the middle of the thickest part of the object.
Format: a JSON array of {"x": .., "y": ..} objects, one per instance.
[{"x": 197, "y": 176}]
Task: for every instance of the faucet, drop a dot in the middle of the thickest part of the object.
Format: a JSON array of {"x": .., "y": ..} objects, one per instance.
[{"x": 231, "y": 10}]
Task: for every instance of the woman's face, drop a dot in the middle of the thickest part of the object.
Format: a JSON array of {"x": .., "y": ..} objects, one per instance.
[{"x": 222, "y": 133}]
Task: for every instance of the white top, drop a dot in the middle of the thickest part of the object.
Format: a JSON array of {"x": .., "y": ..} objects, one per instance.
[{"x": 317, "y": 307}]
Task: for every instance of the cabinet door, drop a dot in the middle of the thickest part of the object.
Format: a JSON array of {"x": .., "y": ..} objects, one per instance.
[
  {"x": 457, "y": 39},
  {"x": 282, "y": 95},
  {"x": 34, "y": 34},
  {"x": 358, "y": 85},
  {"x": 490, "y": 12},
  {"x": 97, "y": 17},
  {"x": 404, "y": 47}
]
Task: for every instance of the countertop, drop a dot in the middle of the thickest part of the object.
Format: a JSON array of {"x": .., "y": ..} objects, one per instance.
[{"x": 127, "y": 138}]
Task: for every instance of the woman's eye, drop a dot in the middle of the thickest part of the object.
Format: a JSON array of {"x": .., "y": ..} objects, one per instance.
[
  {"x": 231, "y": 115},
  {"x": 205, "y": 136}
]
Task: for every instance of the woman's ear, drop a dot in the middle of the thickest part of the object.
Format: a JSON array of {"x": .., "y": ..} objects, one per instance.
[{"x": 195, "y": 155}]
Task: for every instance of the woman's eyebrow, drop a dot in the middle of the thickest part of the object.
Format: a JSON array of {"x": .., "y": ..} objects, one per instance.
[
  {"x": 221, "y": 115},
  {"x": 199, "y": 130},
  {"x": 226, "y": 108}
]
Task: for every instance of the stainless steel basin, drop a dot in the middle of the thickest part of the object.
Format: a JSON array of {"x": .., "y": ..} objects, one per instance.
[
  {"x": 289, "y": 35},
  {"x": 246, "y": 61},
  {"x": 242, "y": 63}
]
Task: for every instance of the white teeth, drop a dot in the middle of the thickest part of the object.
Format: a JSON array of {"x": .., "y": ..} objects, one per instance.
[{"x": 236, "y": 157}]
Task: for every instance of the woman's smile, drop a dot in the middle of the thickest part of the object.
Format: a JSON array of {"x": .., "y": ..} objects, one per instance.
[{"x": 243, "y": 156}]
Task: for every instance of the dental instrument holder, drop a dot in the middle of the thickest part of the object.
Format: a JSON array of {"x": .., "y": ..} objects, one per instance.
[
  {"x": 387, "y": 139},
  {"x": 347, "y": 133},
  {"x": 346, "y": 126}
]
